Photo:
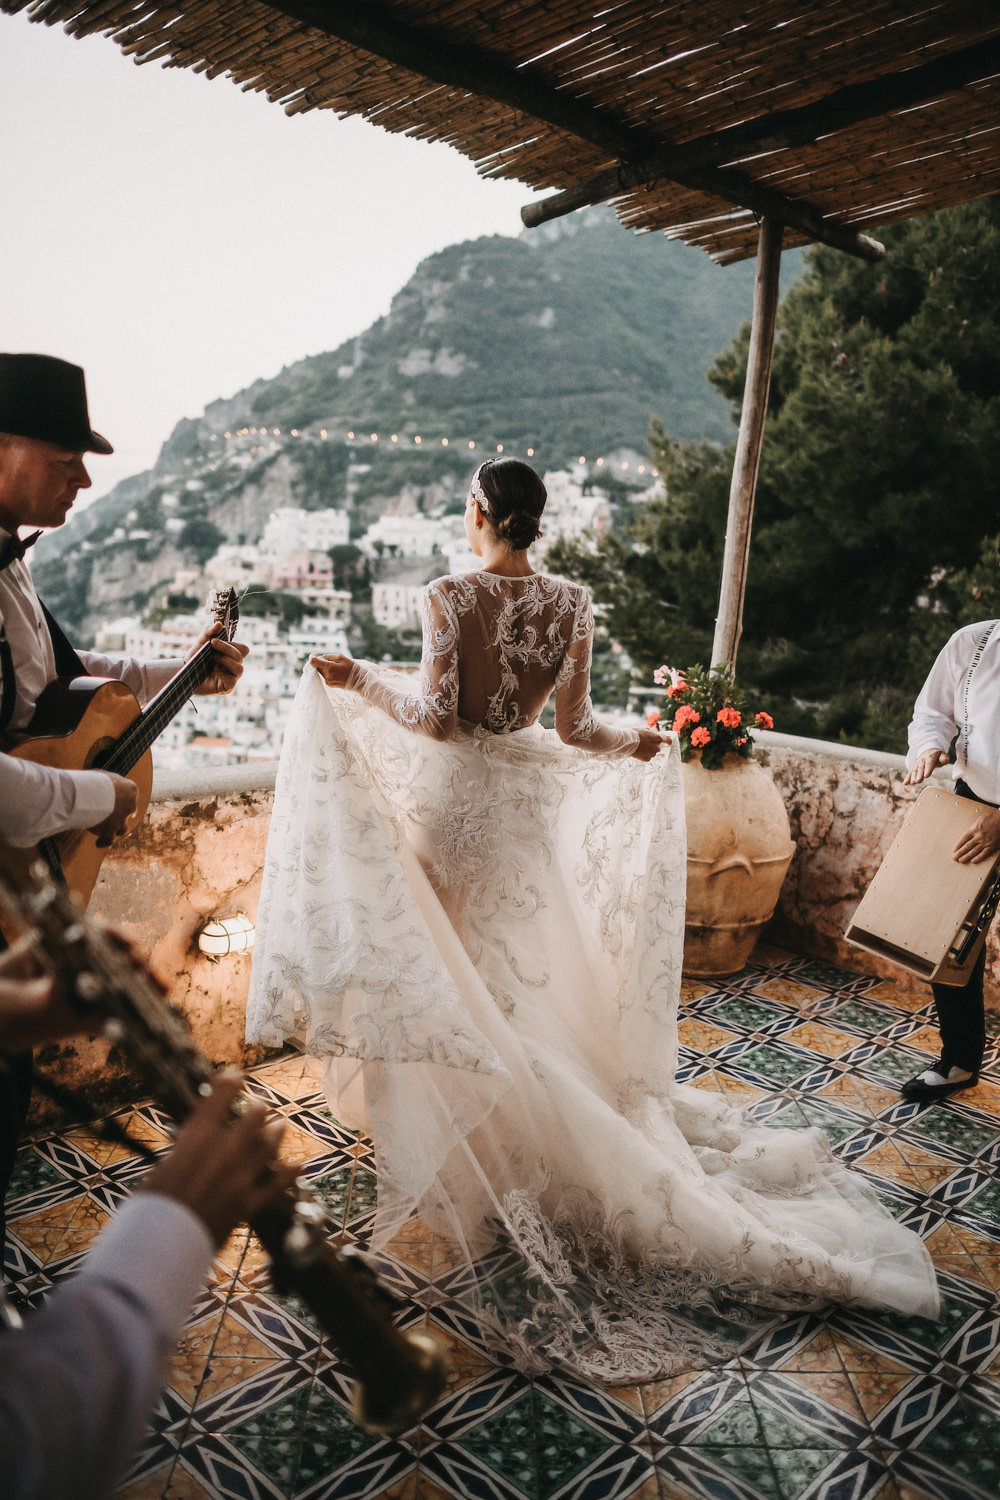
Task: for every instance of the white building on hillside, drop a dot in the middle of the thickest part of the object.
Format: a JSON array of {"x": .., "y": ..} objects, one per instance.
[
  {"x": 289, "y": 529},
  {"x": 239, "y": 566},
  {"x": 397, "y": 593},
  {"x": 411, "y": 536}
]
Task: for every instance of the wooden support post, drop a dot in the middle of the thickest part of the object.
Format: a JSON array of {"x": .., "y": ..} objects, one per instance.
[{"x": 729, "y": 622}]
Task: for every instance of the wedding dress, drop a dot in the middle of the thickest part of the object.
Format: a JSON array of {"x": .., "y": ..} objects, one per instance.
[{"x": 478, "y": 923}]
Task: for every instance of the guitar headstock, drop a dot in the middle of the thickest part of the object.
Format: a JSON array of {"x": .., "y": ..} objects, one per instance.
[{"x": 226, "y": 611}]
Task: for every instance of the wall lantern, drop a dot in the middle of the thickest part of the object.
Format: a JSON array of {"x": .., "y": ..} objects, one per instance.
[{"x": 227, "y": 935}]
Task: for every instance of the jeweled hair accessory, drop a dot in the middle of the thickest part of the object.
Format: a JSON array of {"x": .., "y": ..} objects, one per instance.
[{"x": 478, "y": 493}]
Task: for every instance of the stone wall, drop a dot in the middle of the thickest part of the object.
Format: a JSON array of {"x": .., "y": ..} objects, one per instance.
[{"x": 200, "y": 852}]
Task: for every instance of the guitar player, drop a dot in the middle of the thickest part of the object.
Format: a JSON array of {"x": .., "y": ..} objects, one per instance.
[{"x": 45, "y": 433}]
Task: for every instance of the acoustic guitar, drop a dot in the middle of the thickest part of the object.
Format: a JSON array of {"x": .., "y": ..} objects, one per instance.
[
  {"x": 96, "y": 723},
  {"x": 400, "y": 1372}
]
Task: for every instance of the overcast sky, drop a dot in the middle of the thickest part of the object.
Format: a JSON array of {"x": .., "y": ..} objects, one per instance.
[{"x": 180, "y": 239}]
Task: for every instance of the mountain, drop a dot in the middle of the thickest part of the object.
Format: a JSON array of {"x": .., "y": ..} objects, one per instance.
[{"x": 565, "y": 340}]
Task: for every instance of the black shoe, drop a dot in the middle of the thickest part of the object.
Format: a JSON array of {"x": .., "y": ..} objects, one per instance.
[{"x": 919, "y": 1092}]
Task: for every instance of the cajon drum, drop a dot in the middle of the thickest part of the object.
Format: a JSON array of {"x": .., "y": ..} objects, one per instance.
[{"x": 923, "y": 910}]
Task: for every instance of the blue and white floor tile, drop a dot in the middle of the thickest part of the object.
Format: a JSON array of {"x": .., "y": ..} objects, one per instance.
[{"x": 843, "y": 1406}]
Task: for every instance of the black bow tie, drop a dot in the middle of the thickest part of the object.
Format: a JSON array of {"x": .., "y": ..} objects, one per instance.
[{"x": 13, "y": 547}]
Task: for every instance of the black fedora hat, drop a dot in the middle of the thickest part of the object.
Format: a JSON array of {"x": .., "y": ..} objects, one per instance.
[{"x": 43, "y": 397}]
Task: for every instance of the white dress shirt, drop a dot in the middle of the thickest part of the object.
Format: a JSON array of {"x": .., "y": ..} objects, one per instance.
[
  {"x": 39, "y": 801},
  {"x": 956, "y": 701},
  {"x": 79, "y": 1381}
]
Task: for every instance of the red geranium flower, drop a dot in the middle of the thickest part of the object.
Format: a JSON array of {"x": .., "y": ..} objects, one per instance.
[{"x": 686, "y": 715}]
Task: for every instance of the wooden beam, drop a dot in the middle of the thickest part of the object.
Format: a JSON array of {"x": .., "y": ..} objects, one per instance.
[
  {"x": 779, "y": 131},
  {"x": 743, "y": 485},
  {"x": 374, "y": 28},
  {"x": 767, "y": 203}
]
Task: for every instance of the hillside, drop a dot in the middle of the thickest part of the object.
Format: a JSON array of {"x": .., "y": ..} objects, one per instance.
[{"x": 565, "y": 341}]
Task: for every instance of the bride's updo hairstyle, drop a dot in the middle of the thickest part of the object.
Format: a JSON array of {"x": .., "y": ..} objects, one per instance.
[{"x": 512, "y": 497}]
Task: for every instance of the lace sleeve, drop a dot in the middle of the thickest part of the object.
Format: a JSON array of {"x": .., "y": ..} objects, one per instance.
[
  {"x": 434, "y": 710},
  {"x": 576, "y": 722}
]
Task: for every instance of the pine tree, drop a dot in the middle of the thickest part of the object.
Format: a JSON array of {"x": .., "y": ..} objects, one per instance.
[{"x": 876, "y": 495}]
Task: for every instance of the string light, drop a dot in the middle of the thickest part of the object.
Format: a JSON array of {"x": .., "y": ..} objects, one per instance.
[{"x": 417, "y": 440}]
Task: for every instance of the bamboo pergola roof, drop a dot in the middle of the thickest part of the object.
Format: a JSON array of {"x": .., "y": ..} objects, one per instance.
[{"x": 695, "y": 117}]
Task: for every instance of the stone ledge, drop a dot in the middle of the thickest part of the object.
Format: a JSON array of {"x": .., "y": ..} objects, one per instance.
[{"x": 200, "y": 854}]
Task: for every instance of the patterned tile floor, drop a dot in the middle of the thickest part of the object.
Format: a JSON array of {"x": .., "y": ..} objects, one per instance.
[{"x": 846, "y": 1406}]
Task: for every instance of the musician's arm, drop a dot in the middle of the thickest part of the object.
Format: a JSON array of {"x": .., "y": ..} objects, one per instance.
[
  {"x": 937, "y": 711},
  {"x": 81, "y": 1378},
  {"x": 37, "y": 802},
  {"x": 146, "y": 678},
  {"x": 143, "y": 678},
  {"x": 79, "y": 1381}
]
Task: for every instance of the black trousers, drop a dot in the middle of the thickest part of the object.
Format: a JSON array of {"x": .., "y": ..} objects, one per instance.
[
  {"x": 15, "y": 1096},
  {"x": 16, "y": 1073},
  {"x": 961, "y": 1013}
]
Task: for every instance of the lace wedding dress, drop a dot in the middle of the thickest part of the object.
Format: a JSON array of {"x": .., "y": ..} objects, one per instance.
[{"x": 478, "y": 923}]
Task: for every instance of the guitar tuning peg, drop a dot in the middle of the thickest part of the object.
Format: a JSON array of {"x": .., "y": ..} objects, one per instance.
[
  {"x": 304, "y": 1236},
  {"x": 88, "y": 988}
]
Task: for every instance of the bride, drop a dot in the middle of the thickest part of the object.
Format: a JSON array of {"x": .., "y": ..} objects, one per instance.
[{"x": 477, "y": 923}]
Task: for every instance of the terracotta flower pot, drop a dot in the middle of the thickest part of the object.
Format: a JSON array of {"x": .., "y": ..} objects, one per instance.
[{"x": 739, "y": 848}]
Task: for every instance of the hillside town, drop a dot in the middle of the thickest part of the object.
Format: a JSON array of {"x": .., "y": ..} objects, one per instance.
[{"x": 294, "y": 561}]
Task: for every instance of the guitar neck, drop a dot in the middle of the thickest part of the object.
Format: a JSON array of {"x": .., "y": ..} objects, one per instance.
[{"x": 132, "y": 745}]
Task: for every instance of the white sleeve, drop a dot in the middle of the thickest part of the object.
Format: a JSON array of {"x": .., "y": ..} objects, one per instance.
[
  {"x": 37, "y": 801},
  {"x": 434, "y": 709},
  {"x": 80, "y": 1380},
  {"x": 143, "y": 678},
  {"x": 934, "y": 723},
  {"x": 576, "y": 722}
]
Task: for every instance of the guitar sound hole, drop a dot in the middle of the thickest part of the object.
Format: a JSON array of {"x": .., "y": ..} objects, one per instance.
[{"x": 99, "y": 752}]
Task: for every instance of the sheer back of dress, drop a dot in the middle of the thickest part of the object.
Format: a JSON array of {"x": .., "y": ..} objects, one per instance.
[
  {"x": 494, "y": 650},
  {"x": 513, "y": 636}
]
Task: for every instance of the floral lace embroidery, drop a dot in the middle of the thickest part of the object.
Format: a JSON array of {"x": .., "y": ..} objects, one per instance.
[{"x": 494, "y": 650}]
